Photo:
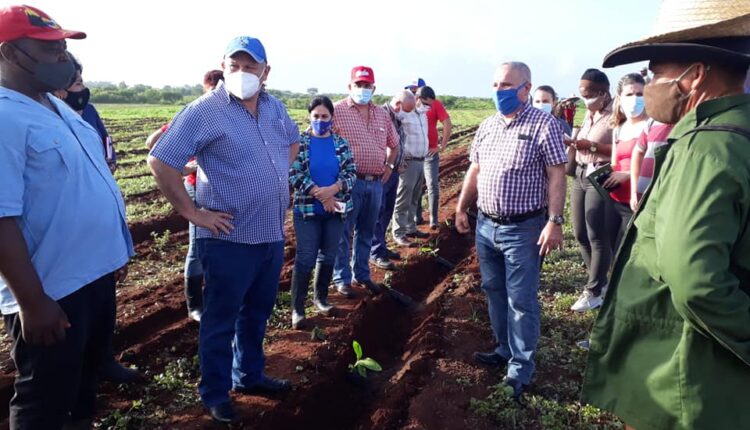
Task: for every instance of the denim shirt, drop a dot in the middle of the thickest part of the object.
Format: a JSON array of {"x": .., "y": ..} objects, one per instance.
[{"x": 55, "y": 182}]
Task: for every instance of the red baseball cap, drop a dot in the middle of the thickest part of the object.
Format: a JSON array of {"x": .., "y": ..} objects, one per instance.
[
  {"x": 17, "y": 22},
  {"x": 363, "y": 74}
]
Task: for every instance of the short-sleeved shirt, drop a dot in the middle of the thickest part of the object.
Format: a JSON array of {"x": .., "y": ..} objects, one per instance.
[
  {"x": 653, "y": 137},
  {"x": 55, "y": 182},
  {"x": 414, "y": 125},
  {"x": 513, "y": 158},
  {"x": 595, "y": 128},
  {"x": 243, "y": 159},
  {"x": 436, "y": 113},
  {"x": 368, "y": 135}
]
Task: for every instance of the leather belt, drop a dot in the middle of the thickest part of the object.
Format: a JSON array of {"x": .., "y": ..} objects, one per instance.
[
  {"x": 368, "y": 177},
  {"x": 514, "y": 219}
]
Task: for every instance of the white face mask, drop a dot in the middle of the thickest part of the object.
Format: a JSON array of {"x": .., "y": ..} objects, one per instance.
[
  {"x": 632, "y": 106},
  {"x": 590, "y": 102},
  {"x": 361, "y": 96},
  {"x": 242, "y": 85},
  {"x": 545, "y": 107}
]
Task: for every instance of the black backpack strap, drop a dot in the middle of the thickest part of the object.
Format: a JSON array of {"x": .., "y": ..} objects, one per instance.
[{"x": 729, "y": 128}]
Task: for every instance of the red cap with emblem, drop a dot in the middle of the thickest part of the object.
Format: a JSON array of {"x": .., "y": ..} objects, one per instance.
[
  {"x": 18, "y": 22},
  {"x": 363, "y": 74}
]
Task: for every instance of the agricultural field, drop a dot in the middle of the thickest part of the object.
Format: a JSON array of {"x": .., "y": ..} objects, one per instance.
[{"x": 428, "y": 381}]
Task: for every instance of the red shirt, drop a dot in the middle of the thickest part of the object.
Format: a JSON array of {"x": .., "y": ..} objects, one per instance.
[
  {"x": 622, "y": 164},
  {"x": 436, "y": 113},
  {"x": 368, "y": 134},
  {"x": 191, "y": 178}
]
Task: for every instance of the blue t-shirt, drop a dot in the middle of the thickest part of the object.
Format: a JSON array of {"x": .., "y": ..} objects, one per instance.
[{"x": 324, "y": 165}]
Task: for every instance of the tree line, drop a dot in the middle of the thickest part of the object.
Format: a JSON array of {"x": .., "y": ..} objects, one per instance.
[{"x": 107, "y": 92}]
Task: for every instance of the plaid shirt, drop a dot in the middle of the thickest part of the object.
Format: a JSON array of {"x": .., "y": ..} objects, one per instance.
[
  {"x": 368, "y": 135},
  {"x": 513, "y": 158},
  {"x": 299, "y": 176},
  {"x": 243, "y": 159}
]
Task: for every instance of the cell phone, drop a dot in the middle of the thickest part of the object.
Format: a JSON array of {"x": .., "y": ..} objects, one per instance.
[{"x": 340, "y": 207}]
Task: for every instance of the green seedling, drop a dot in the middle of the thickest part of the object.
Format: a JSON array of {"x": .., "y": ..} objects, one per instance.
[
  {"x": 362, "y": 365},
  {"x": 317, "y": 334}
]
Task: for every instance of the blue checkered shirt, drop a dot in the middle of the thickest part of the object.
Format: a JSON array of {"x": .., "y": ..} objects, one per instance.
[
  {"x": 513, "y": 158},
  {"x": 244, "y": 161}
]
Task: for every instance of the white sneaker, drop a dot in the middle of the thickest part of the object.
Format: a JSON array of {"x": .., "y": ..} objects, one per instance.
[
  {"x": 587, "y": 302},
  {"x": 195, "y": 315},
  {"x": 298, "y": 321}
]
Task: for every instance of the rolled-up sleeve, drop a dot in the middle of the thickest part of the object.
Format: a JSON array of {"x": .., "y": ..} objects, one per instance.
[
  {"x": 12, "y": 166},
  {"x": 184, "y": 138}
]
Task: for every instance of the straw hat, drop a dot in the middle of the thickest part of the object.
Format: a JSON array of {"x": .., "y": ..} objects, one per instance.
[{"x": 690, "y": 30}]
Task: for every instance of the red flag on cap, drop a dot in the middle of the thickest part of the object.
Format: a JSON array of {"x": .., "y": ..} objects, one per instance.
[{"x": 17, "y": 22}]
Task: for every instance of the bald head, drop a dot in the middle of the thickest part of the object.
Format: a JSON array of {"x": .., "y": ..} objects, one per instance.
[
  {"x": 404, "y": 100},
  {"x": 517, "y": 71}
]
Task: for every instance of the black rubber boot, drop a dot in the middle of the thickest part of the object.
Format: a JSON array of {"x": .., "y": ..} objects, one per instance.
[
  {"x": 300, "y": 283},
  {"x": 323, "y": 276},
  {"x": 194, "y": 293}
]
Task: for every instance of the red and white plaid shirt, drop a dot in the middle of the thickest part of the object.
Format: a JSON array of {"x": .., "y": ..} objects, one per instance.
[
  {"x": 368, "y": 135},
  {"x": 513, "y": 158}
]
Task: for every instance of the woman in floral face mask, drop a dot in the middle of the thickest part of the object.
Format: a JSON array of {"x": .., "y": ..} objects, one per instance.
[
  {"x": 592, "y": 214},
  {"x": 77, "y": 96},
  {"x": 628, "y": 122},
  {"x": 322, "y": 177}
]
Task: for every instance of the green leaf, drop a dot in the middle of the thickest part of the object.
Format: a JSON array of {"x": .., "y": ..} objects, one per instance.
[
  {"x": 370, "y": 364},
  {"x": 357, "y": 349},
  {"x": 362, "y": 371}
]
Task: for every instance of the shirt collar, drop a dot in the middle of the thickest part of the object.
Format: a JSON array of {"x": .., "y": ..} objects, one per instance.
[{"x": 707, "y": 110}]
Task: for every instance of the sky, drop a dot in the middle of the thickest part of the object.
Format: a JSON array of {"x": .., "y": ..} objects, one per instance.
[{"x": 454, "y": 45}]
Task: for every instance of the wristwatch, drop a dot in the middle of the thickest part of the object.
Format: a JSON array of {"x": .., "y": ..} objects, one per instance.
[
  {"x": 593, "y": 147},
  {"x": 556, "y": 219},
  {"x": 391, "y": 165}
]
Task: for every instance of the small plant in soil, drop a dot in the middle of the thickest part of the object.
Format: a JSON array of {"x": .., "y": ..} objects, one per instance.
[
  {"x": 317, "y": 334},
  {"x": 358, "y": 370}
]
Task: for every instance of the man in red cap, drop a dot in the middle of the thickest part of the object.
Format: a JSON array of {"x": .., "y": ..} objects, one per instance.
[
  {"x": 373, "y": 141},
  {"x": 65, "y": 239}
]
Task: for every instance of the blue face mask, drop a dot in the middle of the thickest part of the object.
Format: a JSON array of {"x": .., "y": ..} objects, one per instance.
[
  {"x": 507, "y": 101},
  {"x": 321, "y": 127}
]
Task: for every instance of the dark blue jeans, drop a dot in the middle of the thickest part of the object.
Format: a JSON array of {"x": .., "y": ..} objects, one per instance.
[
  {"x": 240, "y": 292},
  {"x": 318, "y": 238},
  {"x": 358, "y": 233},
  {"x": 384, "y": 218},
  {"x": 509, "y": 263}
]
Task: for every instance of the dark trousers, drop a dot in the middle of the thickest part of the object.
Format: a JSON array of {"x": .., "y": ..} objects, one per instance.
[
  {"x": 593, "y": 220},
  {"x": 55, "y": 384},
  {"x": 623, "y": 216},
  {"x": 240, "y": 292},
  {"x": 384, "y": 218}
]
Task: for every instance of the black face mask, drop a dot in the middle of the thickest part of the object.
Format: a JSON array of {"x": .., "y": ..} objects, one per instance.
[
  {"x": 56, "y": 76},
  {"x": 79, "y": 99}
]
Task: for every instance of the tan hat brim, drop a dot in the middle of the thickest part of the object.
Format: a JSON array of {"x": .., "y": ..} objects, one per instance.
[{"x": 681, "y": 52}]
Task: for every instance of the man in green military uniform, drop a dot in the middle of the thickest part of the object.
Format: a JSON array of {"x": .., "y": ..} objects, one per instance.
[{"x": 671, "y": 346}]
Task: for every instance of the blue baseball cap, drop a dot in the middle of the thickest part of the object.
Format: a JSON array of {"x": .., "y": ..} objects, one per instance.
[
  {"x": 249, "y": 45},
  {"x": 419, "y": 83}
]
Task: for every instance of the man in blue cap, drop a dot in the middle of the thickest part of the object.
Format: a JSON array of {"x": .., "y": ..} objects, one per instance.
[
  {"x": 415, "y": 85},
  {"x": 244, "y": 141}
]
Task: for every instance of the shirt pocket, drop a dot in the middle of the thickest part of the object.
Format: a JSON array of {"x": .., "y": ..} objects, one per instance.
[
  {"x": 523, "y": 152},
  {"x": 646, "y": 242},
  {"x": 47, "y": 154}
]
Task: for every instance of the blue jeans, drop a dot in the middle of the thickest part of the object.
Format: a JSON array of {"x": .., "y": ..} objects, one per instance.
[
  {"x": 193, "y": 265},
  {"x": 366, "y": 198},
  {"x": 240, "y": 292},
  {"x": 509, "y": 263},
  {"x": 384, "y": 218},
  {"x": 317, "y": 240}
]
